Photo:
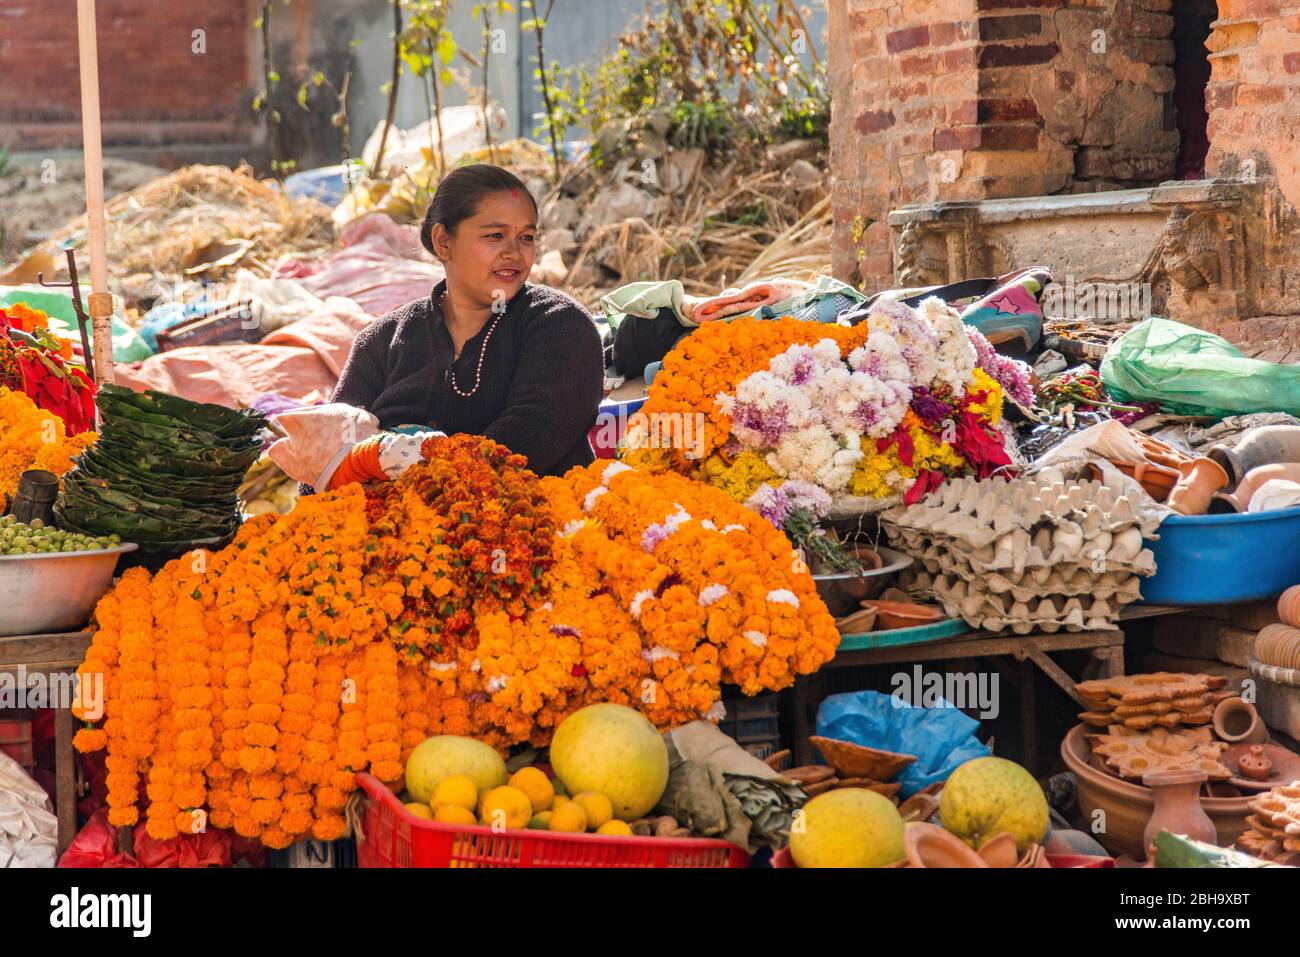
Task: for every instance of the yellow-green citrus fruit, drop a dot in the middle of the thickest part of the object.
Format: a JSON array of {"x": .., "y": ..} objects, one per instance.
[
  {"x": 847, "y": 827},
  {"x": 986, "y": 796},
  {"x": 458, "y": 789},
  {"x": 454, "y": 814},
  {"x": 600, "y": 810},
  {"x": 541, "y": 821},
  {"x": 615, "y": 751},
  {"x": 534, "y": 783},
  {"x": 569, "y": 818},
  {"x": 437, "y": 758},
  {"x": 420, "y": 810},
  {"x": 506, "y": 805}
]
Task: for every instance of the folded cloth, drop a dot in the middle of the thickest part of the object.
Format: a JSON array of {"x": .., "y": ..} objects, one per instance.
[
  {"x": 298, "y": 359},
  {"x": 732, "y": 302},
  {"x": 643, "y": 300},
  {"x": 318, "y": 438},
  {"x": 1275, "y": 494},
  {"x": 381, "y": 266},
  {"x": 28, "y": 831}
]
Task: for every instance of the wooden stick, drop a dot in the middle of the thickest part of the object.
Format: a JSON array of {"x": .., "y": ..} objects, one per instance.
[{"x": 101, "y": 300}]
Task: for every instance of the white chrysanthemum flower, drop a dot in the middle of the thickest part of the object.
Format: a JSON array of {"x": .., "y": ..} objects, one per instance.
[
  {"x": 658, "y": 652},
  {"x": 711, "y": 594},
  {"x": 717, "y": 711},
  {"x": 571, "y": 528},
  {"x": 497, "y": 683},
  {"x": 639, "y": 599},
  {"x": 442, "y": 667},
  {"x": 756, "y": 638},
  {"x": 589, "y": 501},
  {"x": 612, "y": 469},
  {"x": 727, "y": 529},
  {"x": 783, "y": 596}
]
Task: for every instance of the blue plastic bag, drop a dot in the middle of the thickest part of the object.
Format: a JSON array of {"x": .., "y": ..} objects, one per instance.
[{"x": 942, "y": 738}]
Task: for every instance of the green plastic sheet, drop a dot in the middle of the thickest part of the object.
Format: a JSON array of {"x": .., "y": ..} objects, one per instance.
[
  {"x": 127, "y": 344},
  {"x": 1189, "y": 371}
]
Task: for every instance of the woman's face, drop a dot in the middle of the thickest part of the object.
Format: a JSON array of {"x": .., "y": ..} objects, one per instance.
[{"x": 491, "y": 253}]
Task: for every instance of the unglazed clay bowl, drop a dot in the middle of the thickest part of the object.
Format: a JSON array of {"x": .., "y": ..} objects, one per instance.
[
  {"x": 928, "y": 845},
  {"x": 1127, "y": 807},
  {"x": 1000, "y": 850}
]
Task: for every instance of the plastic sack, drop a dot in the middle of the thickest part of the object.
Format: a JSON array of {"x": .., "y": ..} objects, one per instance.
[
  {"x": 96, "y": 846},
  {"x": 127, "y": 345},
  {"x": 942, "y": 737},
  {"x": 1193, "y": 372}
]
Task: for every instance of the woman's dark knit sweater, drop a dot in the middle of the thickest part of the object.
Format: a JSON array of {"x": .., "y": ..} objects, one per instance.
[{"x": 542, "y": 376}]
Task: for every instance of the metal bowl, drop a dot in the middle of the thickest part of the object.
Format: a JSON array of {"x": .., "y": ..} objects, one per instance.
[
  {"x": 842, "y": 591},
  {"x": 54, "y": 591}
]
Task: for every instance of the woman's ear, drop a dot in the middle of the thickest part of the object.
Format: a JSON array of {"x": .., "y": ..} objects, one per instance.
[{"x": 440, "y": 238}]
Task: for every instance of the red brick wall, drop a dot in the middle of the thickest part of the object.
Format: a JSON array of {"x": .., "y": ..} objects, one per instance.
[
  {"x": 153, "y": 87},
  {"x": 1254, "y": 93},
  {"x": 976, "y": 99}
]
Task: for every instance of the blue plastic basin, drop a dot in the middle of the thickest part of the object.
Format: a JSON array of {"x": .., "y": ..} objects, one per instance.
[{"x": 1212, "y": 559}]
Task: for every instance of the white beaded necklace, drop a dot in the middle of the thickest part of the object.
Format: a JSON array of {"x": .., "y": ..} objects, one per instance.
[{"x": 482, "y": 353}]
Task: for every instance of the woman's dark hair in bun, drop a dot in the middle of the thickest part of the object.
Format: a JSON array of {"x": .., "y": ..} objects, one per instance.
[{"x": 460, "y": 192}]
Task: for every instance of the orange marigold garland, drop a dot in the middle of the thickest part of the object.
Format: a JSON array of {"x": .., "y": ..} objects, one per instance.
[{"x": 465, "y": 597}]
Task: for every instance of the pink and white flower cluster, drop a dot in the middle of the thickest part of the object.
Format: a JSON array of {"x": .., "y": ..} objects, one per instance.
[{"x": 809, "y": 411}]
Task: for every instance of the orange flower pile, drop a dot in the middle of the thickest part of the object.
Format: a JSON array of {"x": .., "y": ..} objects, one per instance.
[
  {"x": 246, "y": 687},
  {"x": 716, "y": 358},
  {"x": 31, "y": 438}
]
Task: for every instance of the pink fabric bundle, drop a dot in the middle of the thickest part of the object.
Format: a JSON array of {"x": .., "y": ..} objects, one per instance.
[
  {"x": 381, "y": 266},
  {"x": 296, "y": 360},
  {"x": 732, "y": 302}
]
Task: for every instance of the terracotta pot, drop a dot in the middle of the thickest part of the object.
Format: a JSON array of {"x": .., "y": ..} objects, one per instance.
[
  {"x": 1240, "y": 497},
  {"x": 902, "y": 614},
  {"x": 1128, "y": 806},
  {"x": 1267, "y": 445},
  {"x": 1200, "y": 479},
  {"x": 867, "y": 557},
  {"x": 1275, "y": 643},
  {"x": 999, "y": 850},
  {"x": 1237, "y": 722},
  {"x": 1255, "y": 765},
  {"x": 1157, "y": 480},
  {"x": 928, "y": 845},
  {"x": 1288, "y": 606},
  {"x": 1177, "y": 807}
]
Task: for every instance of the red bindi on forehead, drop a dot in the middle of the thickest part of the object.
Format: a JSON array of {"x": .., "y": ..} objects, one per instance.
[{"x": 514, "y": 193}]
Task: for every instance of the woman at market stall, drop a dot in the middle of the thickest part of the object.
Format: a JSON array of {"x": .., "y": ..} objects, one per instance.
[{"x": 487, "y": 352}]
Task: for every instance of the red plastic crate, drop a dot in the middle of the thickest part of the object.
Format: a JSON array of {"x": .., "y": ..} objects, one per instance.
[
  {"x": 16, "y": 741},
  {"x": 394, "y": 837}
]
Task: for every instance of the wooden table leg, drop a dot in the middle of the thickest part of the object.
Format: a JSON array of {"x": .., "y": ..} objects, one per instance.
[
  {"x": 804, "y": 704},
  {"x": 65, "y": 777},
  {"x": 1028, "y": 731},
  {"x": 1115, "y": 661}
]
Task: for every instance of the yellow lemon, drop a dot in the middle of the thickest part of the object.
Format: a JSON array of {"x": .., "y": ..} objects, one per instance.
[
  {"x": 541, "y": 821},
  {"x": 420, "y": 810},
  {"x": 458, "y": 790},
  {"x": 454, "y": 814},
  {"x": 615, "y": 827},
  {"x": 506, "y": 806},
  {"x": 534, "y": 783},
  {"x": 569, "y": 817},
  {"x": 599, "y": 808}
]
